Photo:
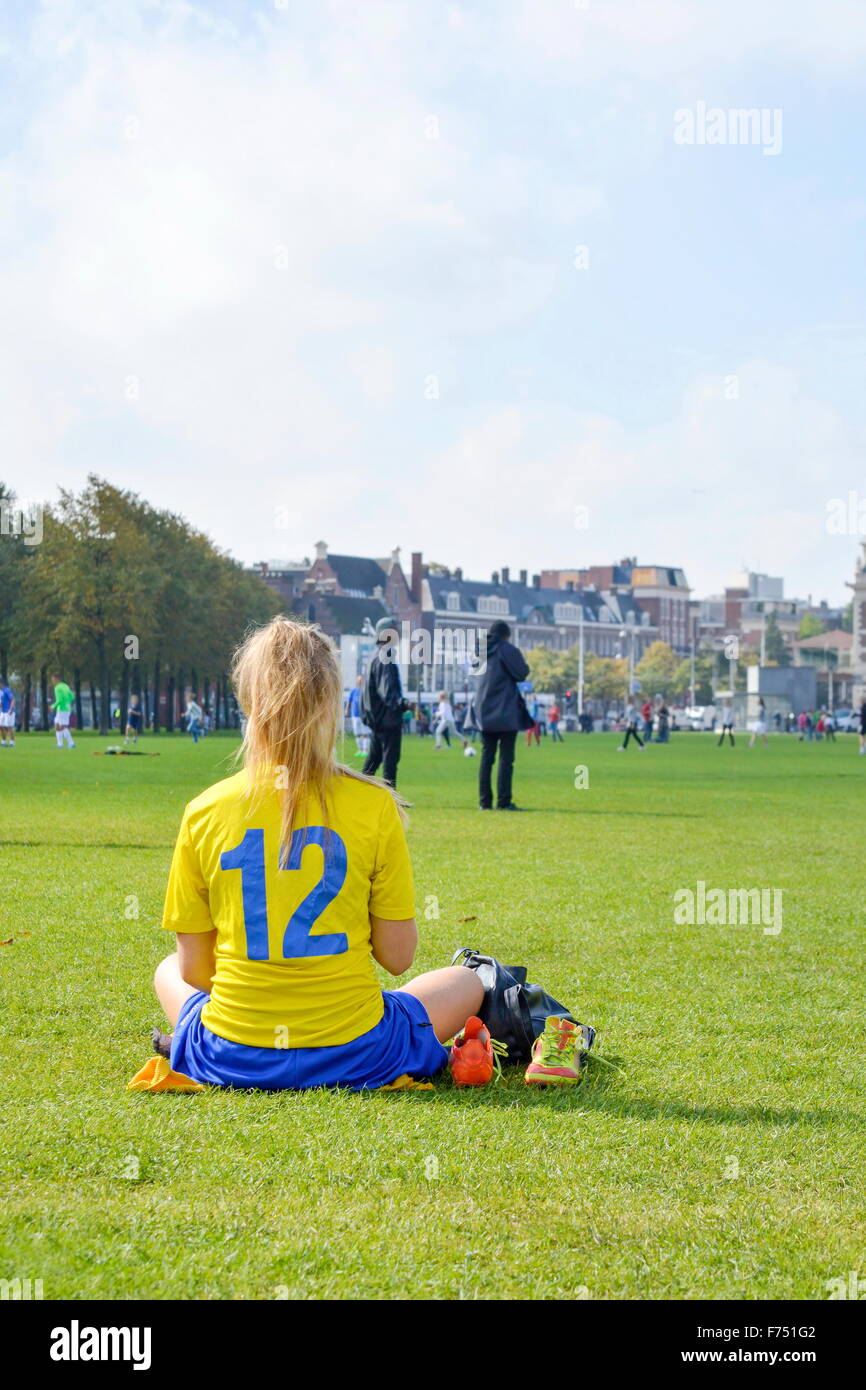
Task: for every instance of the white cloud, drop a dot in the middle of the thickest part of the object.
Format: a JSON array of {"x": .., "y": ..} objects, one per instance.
[
  {"x": 280, "y": 225},
  {"x": 722, "y": 481}
]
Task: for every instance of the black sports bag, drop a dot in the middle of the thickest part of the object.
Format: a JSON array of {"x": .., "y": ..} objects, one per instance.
[{"x": 513, "y": 1010}]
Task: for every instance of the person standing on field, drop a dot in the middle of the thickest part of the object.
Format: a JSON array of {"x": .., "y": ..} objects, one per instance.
[
  {"x": 193, "y": 718},
  {"x": 630, "y": 729},
  {"x": 62, "y": 707},
  {"x": 352, "y": 711},
  {"x": 500, "y": 712},
  {"x": 382, "y": 704},
  {"x": 535, "y": 731},
  {"x": 646, "y": 714},
  {"x": 760, "y": 726},
  {"x": 133, "y": 719},
  {"x": 554, "y": 715},
  {"x": 727, "y": 725},
  {"x": 7, "y": 716},
  {"x": 446, "y": 723}
]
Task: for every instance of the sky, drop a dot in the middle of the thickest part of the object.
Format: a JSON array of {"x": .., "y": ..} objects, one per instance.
[{"x": 457, "y": 277}]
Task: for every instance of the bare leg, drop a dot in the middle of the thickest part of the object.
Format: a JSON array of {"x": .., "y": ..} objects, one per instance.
[
  {"x": 171, "y": 990},
  {"x": 450, "y": 996}
]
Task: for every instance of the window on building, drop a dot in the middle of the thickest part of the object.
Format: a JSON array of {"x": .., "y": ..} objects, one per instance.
[
  {"x": 452, "y": 602},
  {"x": 566, "y": 613},
  {"x": 490, "y": 603}
]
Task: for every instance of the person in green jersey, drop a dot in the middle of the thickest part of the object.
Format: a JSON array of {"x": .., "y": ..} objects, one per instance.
[{"x": 62, "y": 707}]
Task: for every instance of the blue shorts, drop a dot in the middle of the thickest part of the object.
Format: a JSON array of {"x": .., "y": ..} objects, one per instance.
[{"x": 403, "y": 1041}]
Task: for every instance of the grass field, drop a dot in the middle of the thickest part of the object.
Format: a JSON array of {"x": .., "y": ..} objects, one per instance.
[{"x": 723, "y": 1159}]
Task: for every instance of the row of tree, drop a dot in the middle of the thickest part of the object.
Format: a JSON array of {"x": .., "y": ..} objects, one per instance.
[
  {"x": 660, "y": 671},
  {"x": 110, "y": 593}
]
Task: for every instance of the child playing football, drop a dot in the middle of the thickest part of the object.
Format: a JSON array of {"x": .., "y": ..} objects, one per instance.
[{"x": 288, "y": 881}]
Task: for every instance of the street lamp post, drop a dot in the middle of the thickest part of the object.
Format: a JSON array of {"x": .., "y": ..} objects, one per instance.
[
  {"x": 580, "y": 665},
  {"x": 628, "y": 631}
]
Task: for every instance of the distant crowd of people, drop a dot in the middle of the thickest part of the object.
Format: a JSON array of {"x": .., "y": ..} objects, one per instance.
[{"x": 195, "y": 719}]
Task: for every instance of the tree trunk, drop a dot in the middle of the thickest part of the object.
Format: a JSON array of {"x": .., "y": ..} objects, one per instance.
[
  {"x": 104, "y": 688},
  {"x": 156, "y": 684},
  {"x": 79, "y": 712},
  {"x": 205, "y": 704},
  {"x": 226, "y": 707},
  {"x": 28, "y": 701},
  {"x": 43, "y": 690},
  {"x": 124, "y": 695},
  {"x": 94, "y": 716},
  {"x": 169, "y": 705},
  {"x": 3, "y": 660}
]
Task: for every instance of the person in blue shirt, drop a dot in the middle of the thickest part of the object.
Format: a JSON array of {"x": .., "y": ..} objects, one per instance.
[
  {"x": 352, "y": 711},
  {"x": 133, "y": 719},
  {"x": 7, "y": 717}
]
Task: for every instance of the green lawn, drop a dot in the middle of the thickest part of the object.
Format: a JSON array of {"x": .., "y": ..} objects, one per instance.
[{"x": 723, "y": 1159}]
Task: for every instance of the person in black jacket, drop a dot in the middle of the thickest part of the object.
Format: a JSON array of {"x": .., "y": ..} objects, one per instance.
[
  {"x": 382, "y": 704},
  {"x": 499, "y": 711}
]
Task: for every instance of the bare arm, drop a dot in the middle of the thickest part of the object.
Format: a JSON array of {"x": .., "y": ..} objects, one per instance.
[
  {"x": 195, "y": 958},
  {"x": 393, "y": 943}
]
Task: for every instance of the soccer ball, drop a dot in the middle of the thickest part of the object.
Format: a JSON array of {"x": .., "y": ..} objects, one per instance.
[{"x": 469, "y": 751}]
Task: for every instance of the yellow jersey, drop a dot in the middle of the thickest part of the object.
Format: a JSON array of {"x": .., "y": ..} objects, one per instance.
[{"x": 293, "y": 954}]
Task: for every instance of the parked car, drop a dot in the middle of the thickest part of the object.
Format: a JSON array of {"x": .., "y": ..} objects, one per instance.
[
  {"x": 846, "y": 721},
  {"x": 699, "y": 717}
]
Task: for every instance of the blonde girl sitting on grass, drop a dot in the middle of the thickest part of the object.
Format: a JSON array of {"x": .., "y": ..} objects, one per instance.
[{"x": 288, "y": 881}]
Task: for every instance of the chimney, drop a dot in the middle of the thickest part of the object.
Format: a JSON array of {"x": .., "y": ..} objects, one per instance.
[
  {"x": 321, "y": 550},
  {"x": 523, "y": 578},
  {"x": 569, "y": 584},
  {"x": 458, "y": 574},
  {"x": 536, "y": 581},
  {"x": 506, "y": 574},
  {"x": 417, "y": 575},
  {"x": 395, "y": 555},
  {"x": 494, "y": 578}
]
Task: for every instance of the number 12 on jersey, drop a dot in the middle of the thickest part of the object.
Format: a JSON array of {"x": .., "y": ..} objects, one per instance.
[{"x": 249, "y": 857}]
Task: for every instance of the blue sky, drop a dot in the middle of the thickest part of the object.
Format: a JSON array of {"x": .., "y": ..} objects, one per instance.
[{"x": 308, "y": 272}]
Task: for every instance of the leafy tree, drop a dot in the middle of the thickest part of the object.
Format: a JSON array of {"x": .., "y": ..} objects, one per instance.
[
  {"x": 117, "y": 589},
  {"x": 776, "y": 651},
  {"x": 810, "y": 626},
  {"x": 13, "y": 557},
  {"x": 552, "y": 671},
  {"x": 605, "y": 678},
  {"x": 659, "y": 671},
  {"x": 847, "y": 623}
]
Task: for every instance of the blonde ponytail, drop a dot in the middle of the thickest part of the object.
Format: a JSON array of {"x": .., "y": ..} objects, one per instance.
[{"x": 288, "y": 683}]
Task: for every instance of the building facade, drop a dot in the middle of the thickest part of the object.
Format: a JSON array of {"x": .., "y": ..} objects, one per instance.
[
  {"x": 611, "y": 624},
  {"x": 661, "y": 591}
]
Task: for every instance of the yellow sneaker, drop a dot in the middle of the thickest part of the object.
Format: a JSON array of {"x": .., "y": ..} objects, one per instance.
[{"x": 556, "y": 1059}]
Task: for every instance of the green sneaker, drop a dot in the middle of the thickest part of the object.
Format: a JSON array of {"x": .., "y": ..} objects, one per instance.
[{"x": 556, "y": 1054}]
